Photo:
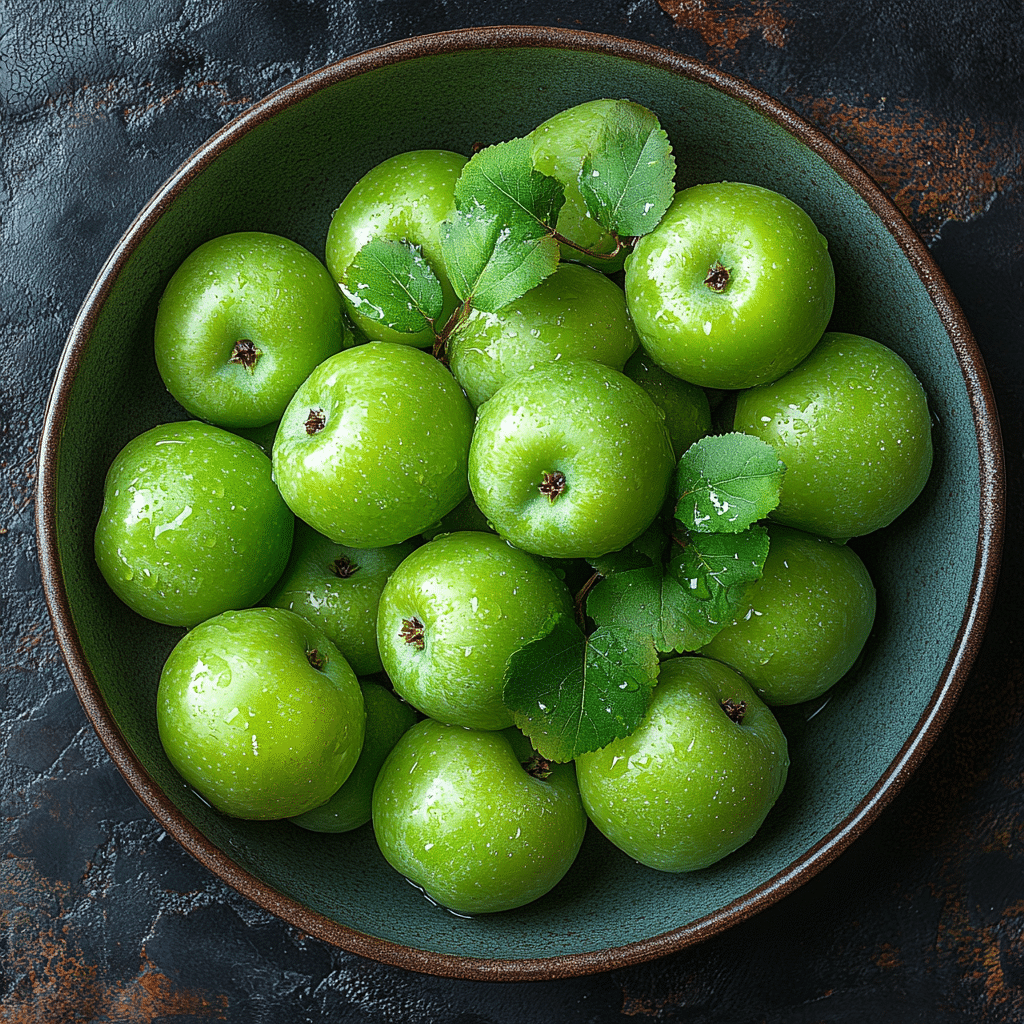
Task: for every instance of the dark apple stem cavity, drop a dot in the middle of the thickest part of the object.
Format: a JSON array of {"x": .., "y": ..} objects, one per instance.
[
  {"x": 344, "y": 567},
  {"x": 718, "y": 277},
  {"x": 315, "y": 421},
  {"x": 316, "y": 659},
  {"x": 245, "y": 353},
  {"x": 552, "y": 485},
  {"x": 537, "y": 766},
  {"x": 734, "y": 709},
  {"x": 412, "y": 633}
]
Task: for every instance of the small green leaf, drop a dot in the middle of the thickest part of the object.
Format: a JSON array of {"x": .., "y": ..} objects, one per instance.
[
  {"x": 390, "y": 282},
  {"x": 627, "y": 181},
  {"x": 498, "y": 243},
  {"x": 725, "y": 483},
  {"x": 572, "y": 694}
]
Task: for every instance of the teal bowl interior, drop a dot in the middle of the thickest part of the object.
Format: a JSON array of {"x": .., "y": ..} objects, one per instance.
[{"x": 283, "y": 167}]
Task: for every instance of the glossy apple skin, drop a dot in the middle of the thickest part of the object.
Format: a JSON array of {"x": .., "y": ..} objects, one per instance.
[
  {"x": 559, "y": 146},
  {"x": 851, "y": 423},
  {"x": 191, "y": 524},
  {"x": 456, "y": 813},
  {"x": 800, "y": 628},
  {"x": 387, "y": 718},
  {"x": 689, "y": 785},
  {"x": 338, "y": 588},
  {"x": 390, "y": 458},
  {"x": 250, "y": 723},
  {"x": 254, "y": 286},
  {"x": 598, "y": 429},
  {"x": 478, "y": 600},
  {"x": 686, "y": 407},
  {"x": 770, "y": 314},
  {"x": 575, "y": 313},
  {"x": 405, "y": 197}
]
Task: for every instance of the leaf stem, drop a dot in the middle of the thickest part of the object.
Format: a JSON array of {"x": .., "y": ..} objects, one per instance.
[
  {"x": 441, "y": 337},
  {"x": 620, "y": 244},
  {"x": 579, "y": 604}
]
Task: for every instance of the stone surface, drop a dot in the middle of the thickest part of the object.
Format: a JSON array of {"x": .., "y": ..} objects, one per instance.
[{"x": 103, "y": 918}]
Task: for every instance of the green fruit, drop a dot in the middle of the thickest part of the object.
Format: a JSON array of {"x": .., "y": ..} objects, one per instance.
[
  {"x": 799, "y": 629},
  {"x": 450, "y": 617},
  {"x": 732, "y": 288},
  {"x": 191, "y": 524},
  {"x": 242, "y": 323},
  {"x": 851, "y": 423},
  {"x": 570, "y": 460},
  {"x": 404, "y": 198},
  {"x": 373, "y": 447},
  {"x": 339, "y": 588},
  {"x": 387, "y": 718},
  {"x": 696, "y": 779},
  {"x": 686, "y": 408},
  {"x": 260, "y": 714},
  {"x": 476, "y": 819},
  {"x": 575, "y": 313}
]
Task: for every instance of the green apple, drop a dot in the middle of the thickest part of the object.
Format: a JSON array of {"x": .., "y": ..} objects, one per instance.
[
  {"x": 242, "y": 323},
  {"x": 575, "y": 313},
  {"x": 260, "y": 714},
  {"x": 406, "y": 197},
  {"x": 387, "y": 718},
  {"x": 799, "y": 629},
  {"x": 191, "y": 524},
  {"x": 852, "y": 425},
  {"x": 453, "y": 613},
  {"x": 338, "y": 588},
  {"x": 697, "y": 778},
  {"x": 373, "y": 448},
  {"x": 686, "y": 407},
  {"x": 732, "y": 288},
  {"x": 570, "y": 460},
  {"x": 559, "y": 145},
  {"x": 476, "y": 819}
]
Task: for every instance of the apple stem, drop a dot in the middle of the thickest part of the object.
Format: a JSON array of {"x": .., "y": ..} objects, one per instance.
[
  {"x": 552, "y": 484},
  {"x": 718, "y": 277},
  {"x": 734, "y": 709},
  {"x": 315, "y": 421},
  {"x": 412, "y": 633},
  {"x": 537, "y": 766},
  {"x": 343, "y": 567},
  {"x": 245, "y": 353}
]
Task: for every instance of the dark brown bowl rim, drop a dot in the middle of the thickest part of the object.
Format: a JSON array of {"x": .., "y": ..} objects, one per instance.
[{"x": 956, "y": 669}]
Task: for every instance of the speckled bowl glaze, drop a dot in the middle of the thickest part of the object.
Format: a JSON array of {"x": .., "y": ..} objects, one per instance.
[{"x": 283, "y": 166}]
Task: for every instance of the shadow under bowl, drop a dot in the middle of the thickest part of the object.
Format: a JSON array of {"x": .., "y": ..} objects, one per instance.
[{"x": 283, "y": 166}]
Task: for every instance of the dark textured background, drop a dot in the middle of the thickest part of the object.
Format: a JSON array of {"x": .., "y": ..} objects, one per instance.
[{"x": 103, "y": 918}]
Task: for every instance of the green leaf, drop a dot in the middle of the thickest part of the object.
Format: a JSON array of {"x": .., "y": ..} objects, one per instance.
[
  {"x": 647, "y": 550},
  {"x": 396, "y": 285},
  {"x": 627, "y": 181},
  {"x": 572, "y": 694},
  {"x": 725, "y": 483},
  {"x": 498, "y": 243}
]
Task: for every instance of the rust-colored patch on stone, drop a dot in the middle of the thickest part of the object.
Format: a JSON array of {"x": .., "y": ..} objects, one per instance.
[
  {"x": 50, "y": 979},
  {"x": 934, "y": 170},
  {"x": 887, "y": 957},
  {"x": 724, "y": 26}
]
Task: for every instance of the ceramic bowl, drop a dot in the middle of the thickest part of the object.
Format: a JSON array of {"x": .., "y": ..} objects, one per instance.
[{"x": 283, "y": 166}]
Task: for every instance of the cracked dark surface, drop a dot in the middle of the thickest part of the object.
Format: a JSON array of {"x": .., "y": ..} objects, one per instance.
[{"x": 103, "y": 918}]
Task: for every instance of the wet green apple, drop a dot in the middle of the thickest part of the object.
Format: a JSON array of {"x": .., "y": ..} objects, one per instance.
[
  {"x": 697, "y": 778},
  {"x": 406, "y": 197},
  {"x": 852, "y": 425},
  {"x": 575, "y": 313},
  {"x": 387, "y": 718},
  {"x": 570, "y": 460},
  {"x": 242, "y": 323},
  {"x": 800, "y": 628},
  {"x": 476, "y": 819},
  {"x": 338, "y": 588},
  {"x": 373, "y": 448},
  {"x": 191, "y": 524},
  {"x": 260, "y": 714},
  {"x": 732, "y": 288},
  {"x": 453, "y": 613},
  {"x": 686, "y": 407}
]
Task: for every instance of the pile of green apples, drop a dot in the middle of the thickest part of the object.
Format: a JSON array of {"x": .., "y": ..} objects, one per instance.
[{"x": 408, "y": 468}]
